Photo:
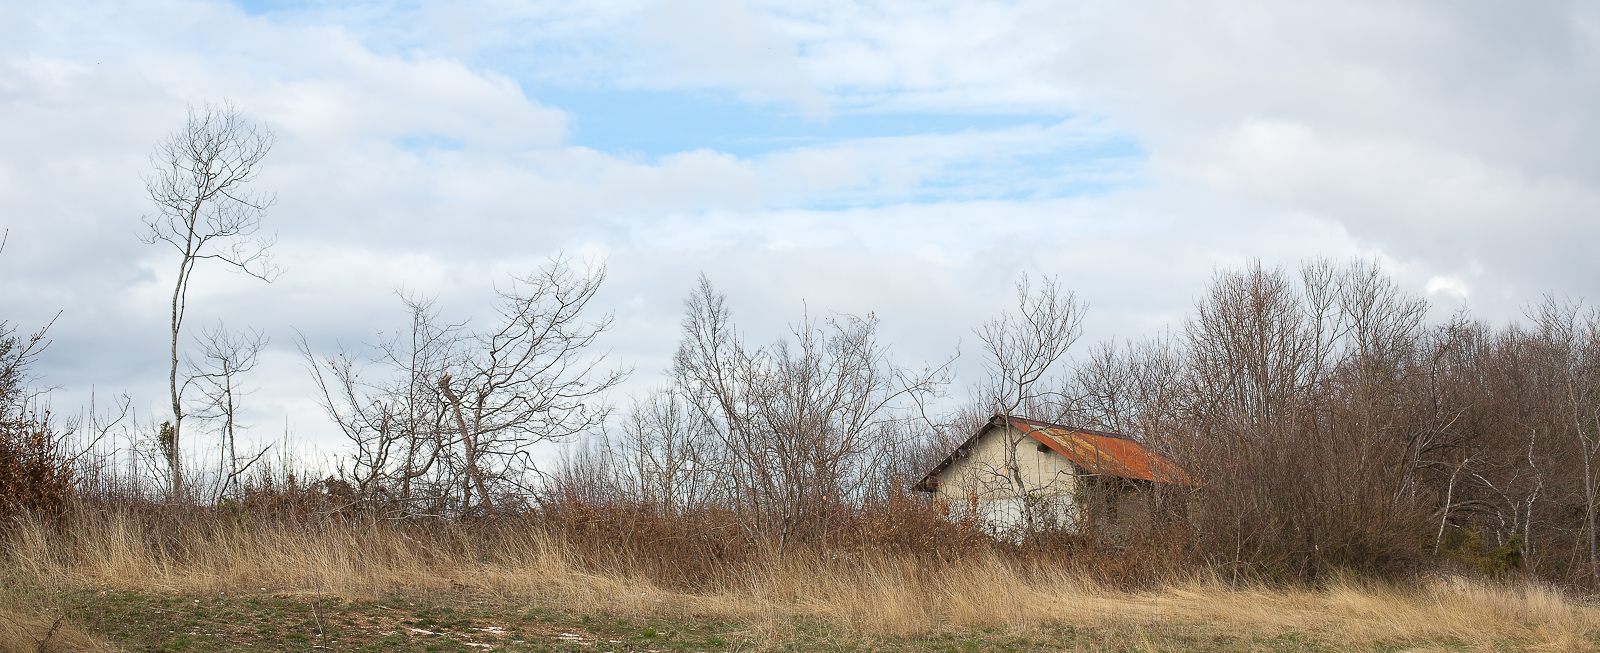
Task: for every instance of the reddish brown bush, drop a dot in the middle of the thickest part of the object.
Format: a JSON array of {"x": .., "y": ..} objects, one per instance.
[{"x": 34, "y": 476}]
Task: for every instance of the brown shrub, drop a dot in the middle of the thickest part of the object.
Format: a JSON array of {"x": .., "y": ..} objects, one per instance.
[{"x": 34, "y": 476}]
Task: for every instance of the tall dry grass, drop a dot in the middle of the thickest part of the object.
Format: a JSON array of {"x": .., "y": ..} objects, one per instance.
[
  {"x": 868, "y": 593},
  {"x": 895, "y": 596}
]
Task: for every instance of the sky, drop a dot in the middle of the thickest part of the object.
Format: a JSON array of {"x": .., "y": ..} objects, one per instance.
[{"x": 910, "y": 160}]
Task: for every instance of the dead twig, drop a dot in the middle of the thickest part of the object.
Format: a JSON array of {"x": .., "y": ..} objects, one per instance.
[{"x": 51, "y": 633}]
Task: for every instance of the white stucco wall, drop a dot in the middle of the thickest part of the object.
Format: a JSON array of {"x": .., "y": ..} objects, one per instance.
[{"x": 1050, "y": 482}]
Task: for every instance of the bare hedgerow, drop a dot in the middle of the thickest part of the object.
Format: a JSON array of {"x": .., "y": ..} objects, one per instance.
[{"x": 1295, "y": 410}]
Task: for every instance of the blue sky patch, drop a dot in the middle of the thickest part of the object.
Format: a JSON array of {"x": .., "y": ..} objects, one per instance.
[
  {"x": 658, "y": 123},
  {"x": 654, "y": 123}
]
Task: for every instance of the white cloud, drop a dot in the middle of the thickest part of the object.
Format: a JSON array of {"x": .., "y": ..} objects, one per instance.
[
  {"x": 720, "y": 43},
  {"x": 368, "y": 202},
  {"x": 1452, "y": 287},
  {"x": 1455, "y": 143},
  {"x": 927, "y": 56}
]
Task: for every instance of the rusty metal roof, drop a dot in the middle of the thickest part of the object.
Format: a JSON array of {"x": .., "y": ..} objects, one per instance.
[
  {"x": 1097, "y": 452},
  {"x": 1108, "y": 454}
]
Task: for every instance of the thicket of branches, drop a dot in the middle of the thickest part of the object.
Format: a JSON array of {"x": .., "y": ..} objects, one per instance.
[
  {"x": 441, "y": 418},
  {"x": 1332, "y": 427},
  {"x": 1329, "y": 424}
]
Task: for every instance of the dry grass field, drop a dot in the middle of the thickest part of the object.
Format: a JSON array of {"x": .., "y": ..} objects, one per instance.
[{"x": 112, "y": 581}]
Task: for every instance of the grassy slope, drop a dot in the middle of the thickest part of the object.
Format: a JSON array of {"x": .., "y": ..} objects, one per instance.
[{"x": 341, "y": 586}]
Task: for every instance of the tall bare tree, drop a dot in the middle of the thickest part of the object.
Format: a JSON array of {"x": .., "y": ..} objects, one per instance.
[
  {"x": 206, "y": 211},
  {"x": 1022, "y": 350},
  {"x": 1298, "y": 403}
]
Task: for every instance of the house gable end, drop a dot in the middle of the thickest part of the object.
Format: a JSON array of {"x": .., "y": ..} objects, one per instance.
[{"x": 1093, "y": 452}]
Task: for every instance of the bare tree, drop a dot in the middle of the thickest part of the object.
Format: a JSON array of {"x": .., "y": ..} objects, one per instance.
[
  {"x": 206, "y": 212},
  {"x": 227, "y": 354},
  {"x": 667, "y": 457},
  {"x": 531, "y": 379},
  {"x": 806, "y": 423},
  {"x": 17, "y": 354},
  {"x": 1022, "y": 347},
  {"x": 1130, "y": 390},
  {"x": 1299, "y": 403},
  {"x": 1570, "y": 346},
  {"x": 36, "y": 473},
  {"x": 397, "y": 423},
  {"x": 449, "y": 426}
]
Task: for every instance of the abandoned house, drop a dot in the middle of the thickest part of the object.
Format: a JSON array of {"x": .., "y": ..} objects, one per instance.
[{"x": 1019, "y": 475}]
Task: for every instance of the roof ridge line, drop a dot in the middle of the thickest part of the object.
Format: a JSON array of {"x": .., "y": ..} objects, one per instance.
[{"x": 1072, "y": 429}]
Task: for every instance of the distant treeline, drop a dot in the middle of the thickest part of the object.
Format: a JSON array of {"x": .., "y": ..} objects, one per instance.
[{"x": 1329, "y": 424}]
